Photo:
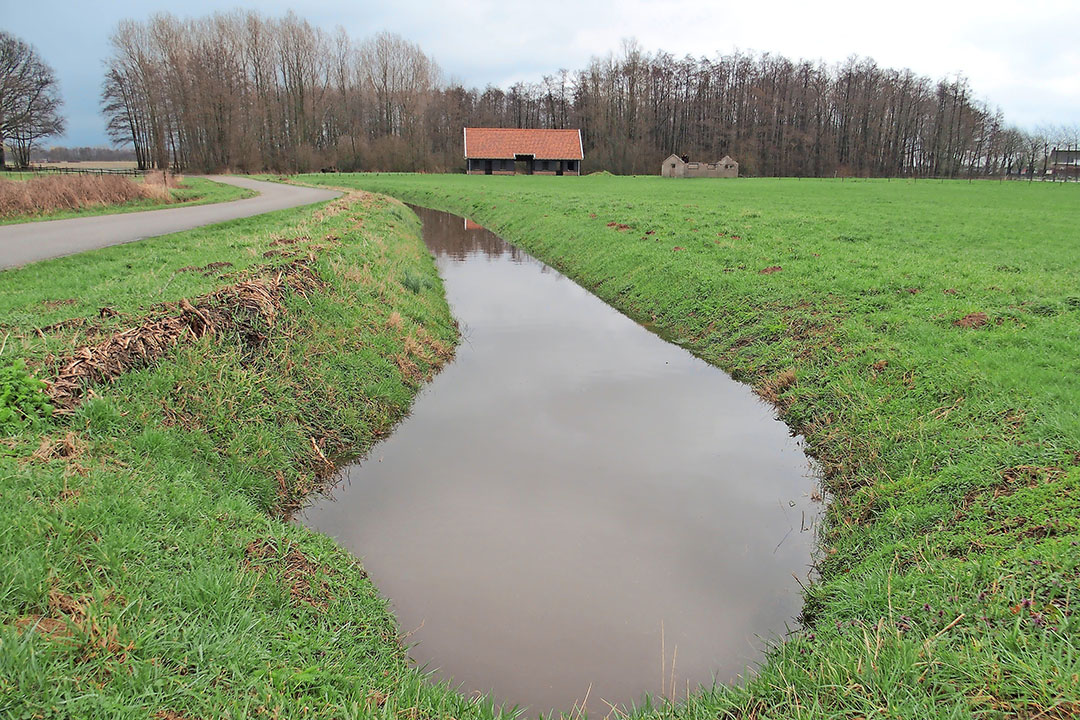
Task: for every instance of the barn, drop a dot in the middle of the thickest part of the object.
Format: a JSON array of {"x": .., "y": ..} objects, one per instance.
[
  {"x": 683, "y": 166},
  {"x": 508, "y": 151},
  {"x": 1065, "y": 163}
]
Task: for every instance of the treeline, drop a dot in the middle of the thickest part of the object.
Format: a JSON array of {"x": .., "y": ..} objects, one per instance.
[
  {"x": 58, "y": 153},
  {"x": 246, "y": 92}
]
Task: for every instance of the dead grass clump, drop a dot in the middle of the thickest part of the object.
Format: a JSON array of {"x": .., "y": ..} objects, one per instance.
[
  {"x": 206, "y": 270},
  {"x": 1032, "y": 475},
  {"x": 51, "y": 628},
  {"x": 409, "y": 371},
  {"x": 289, "y": 241},
  {"x": 68, "y": 447},
  {"x": 775, "y": 386},
  {"x": 972, "y": 320},
  {"x": 770, "y": 270},
  {"x": 65, "y": 613},
  {"x": 297, "y": 570},
  {"x": 349, "y": 198},
  {"x": 75, "y": 621},
  {"x": 442, "y": 352},
  {"x": 164, "y": 180},
  {"x": 246, "y": 308},
  {"x": 169, "y": 715},
  {"x": 42, "y": 195},
  {"x": 415, "y": 348},
  {"x": 53, "y": 304}
]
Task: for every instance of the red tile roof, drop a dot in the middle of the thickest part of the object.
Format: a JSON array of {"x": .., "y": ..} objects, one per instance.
[{"x": 504, "y": 143}]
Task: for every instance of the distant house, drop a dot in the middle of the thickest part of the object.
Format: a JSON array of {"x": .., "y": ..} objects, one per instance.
[
  {"x": 506, "y": 151},
  {"x": 1065, "y": 163},
  {"x": 682, "y": 166}
]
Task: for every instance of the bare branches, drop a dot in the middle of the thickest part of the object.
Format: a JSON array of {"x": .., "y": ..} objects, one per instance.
[
  {"x": 29, "y": 99},
  {"x": 244, "y": 91}
]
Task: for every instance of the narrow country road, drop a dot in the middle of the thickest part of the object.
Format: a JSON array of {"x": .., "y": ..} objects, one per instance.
[{"x": 28, "y": 242}]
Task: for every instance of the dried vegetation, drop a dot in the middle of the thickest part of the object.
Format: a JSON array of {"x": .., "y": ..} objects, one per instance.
[
  {"x": 247, "y": 308},
  {"x": 55, "y": 193}
]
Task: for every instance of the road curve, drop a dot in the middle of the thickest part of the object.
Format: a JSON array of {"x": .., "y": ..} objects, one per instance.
[{"x": 29, "y": 242}]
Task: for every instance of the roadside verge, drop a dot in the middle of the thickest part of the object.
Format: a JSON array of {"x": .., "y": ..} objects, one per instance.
[{"x": 149, "y": 568}]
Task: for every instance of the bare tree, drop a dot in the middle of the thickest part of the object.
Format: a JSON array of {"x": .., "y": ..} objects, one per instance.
[
  {"x": 245, "y": 90},
  {"x": 29, "y": 98}
]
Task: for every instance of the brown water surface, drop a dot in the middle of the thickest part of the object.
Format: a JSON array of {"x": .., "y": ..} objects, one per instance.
[{"x": 575, "y": 503}]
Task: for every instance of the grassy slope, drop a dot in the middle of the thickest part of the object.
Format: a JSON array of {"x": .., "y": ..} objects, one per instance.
[
  {"x": 196, "y": 191},
  {"x": 144, "y": 567},
  {"x": 950, "y": 567}
]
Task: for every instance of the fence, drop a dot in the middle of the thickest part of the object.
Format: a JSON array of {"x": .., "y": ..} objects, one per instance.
[{"x": 40, "y": 169}]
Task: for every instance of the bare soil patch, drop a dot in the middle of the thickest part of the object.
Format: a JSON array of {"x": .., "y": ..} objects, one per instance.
[{"x": 972, "y": 320}]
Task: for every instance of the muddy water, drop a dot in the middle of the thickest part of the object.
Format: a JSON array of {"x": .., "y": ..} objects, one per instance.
[{"x": 575, "y": 503}]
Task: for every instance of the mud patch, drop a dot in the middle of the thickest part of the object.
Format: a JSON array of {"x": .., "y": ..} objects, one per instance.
[
  {"x": 770, "y": 270},
  {"x": 971, "y": 320},
  {"x": 247, "y": 308}
]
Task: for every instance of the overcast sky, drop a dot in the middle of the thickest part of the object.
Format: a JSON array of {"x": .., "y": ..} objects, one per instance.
[{"x": 1021, "y": 56}]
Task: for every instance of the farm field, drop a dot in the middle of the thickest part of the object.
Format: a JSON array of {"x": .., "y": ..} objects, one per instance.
[
  {"x": 922, "y": 336},
  {"x": 148, "y": 566},
  {"x": 92, "y": 164},
  {"x": 190, "y": 191}
]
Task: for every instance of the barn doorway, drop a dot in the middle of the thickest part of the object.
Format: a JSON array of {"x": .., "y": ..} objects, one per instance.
[
  {"x": 487, "y": 167},
  {"x": 523, "y": 164}
]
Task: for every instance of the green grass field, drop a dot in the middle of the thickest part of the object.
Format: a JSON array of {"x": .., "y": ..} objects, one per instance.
[
  {"x": 146, "y": 567},
  {"x": 924, "y": 337},
  {"x": 195, "y": 191}
]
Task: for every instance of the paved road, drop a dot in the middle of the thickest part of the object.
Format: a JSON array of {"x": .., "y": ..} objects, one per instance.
[{"x": 28, "y": 242}]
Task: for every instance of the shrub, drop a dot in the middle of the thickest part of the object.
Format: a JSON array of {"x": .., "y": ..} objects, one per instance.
[{"x": 22, "y": 398}]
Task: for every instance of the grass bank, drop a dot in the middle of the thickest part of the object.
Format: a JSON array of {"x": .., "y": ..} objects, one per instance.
[
  {"x": 146, "y": 567},
  {"x": 923, "y": 337},
  {"x": 191, "y": 191}
]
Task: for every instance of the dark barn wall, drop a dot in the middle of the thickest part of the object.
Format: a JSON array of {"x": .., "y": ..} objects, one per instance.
[{"x": 475, "y": 166}]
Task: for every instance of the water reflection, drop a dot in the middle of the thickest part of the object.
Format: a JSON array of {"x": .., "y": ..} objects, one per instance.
[
  {"x": 461, "y": 239},
  {"x": 575, "y": 503}
]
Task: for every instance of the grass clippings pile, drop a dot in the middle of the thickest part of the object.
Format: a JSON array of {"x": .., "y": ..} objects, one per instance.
[
  {"x": 148, "y": 567},
  {"x": 53, "y": 193},
  {"x": 923, "y": 338},
  {"x": 248, "y": 308}
]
